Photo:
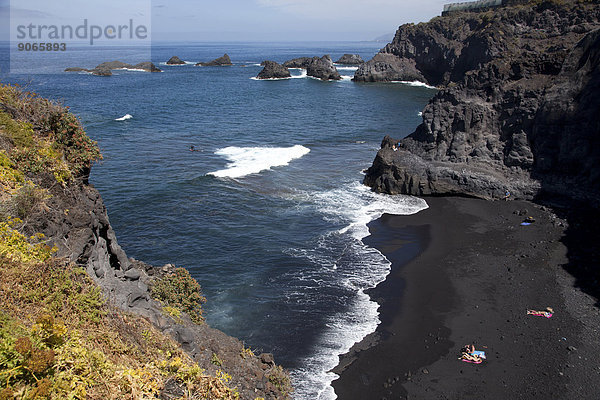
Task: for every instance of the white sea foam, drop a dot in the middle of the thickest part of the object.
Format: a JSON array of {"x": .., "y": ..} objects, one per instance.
[
  {"x": 352, "y": 206},
  {"x": 420, "y": 114},
  {"x": 252, "y": 160},
  {"x": 415, "y": 83},
  {"x": 254, "y": 78},
  {"x": 347, "y": 77},
  {"x": 131, "y": 69},
  {"x": 302, "y": 74},
  {"x": 357, "y": 205},
  {"x": 346, "y": 68},
  {"x": 124, "y": 117}
]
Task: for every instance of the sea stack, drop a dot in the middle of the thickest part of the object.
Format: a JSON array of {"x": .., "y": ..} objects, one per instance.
[
  {"x": 217, "y": 62},
  {"x": 175, "y": 61},
  {"x": 387, "y": 68},
  {"x": 323, "y": 69},
  {"x": 350, "y": 59},
  {"x": 273, "y": 70},
  {"x": 106, "y": 68},
  {"x": 300, "y": 62}
]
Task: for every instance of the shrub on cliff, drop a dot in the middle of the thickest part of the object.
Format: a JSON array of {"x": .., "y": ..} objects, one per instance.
[
  {"x": 59, "y": 339},
  {"x": 40, "y": 135},
  {"x": 180, "y": 291}
]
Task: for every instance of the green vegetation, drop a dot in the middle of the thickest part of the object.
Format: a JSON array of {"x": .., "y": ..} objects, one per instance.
[
  {"x": 280, "y": 379},
  {"x": 44, "y": 136},
  {"x": 246, "y": 352},
  {"x": 179, "y": 291},
  {"x": 59, "y": 339}
]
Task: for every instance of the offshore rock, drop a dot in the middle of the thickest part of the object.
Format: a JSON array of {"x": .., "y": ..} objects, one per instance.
[
  {"x": 222, "y": 61},
  {"x": 147, "y": 66},
  {"x": 350, "y": 59},
  {"x": 175, "y": 61},
  {"x": 113, "y": 65},
  {"x": 105, "y": 69},
  {"x": 301, "y": 62},
  {"x": 518, "y": 114},
  {"x": 323, "y": 69},
  {"x": 273, "y": 70},
  {"x": 386, "y": 68}
]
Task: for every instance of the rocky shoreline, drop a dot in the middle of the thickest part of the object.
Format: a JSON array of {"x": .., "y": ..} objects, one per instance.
[
  {"x": 56, "y": 202},
  {"x": 84, "y": 236},
  {"x": 318, "y": 67}
]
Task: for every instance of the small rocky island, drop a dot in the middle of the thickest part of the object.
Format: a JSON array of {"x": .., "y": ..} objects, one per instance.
[
  {"x": 300, "y": 62},
  {"x": 317, "y": 67},
  {"x": 106, "y": 68},
  {"x": 222, "y": 61},
  {"x": 350, "y": 59},
  {"x": 175, "y": 61},
  {"x": 273, "y": 70}
]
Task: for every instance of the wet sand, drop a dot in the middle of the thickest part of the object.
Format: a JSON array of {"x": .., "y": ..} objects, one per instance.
[{"x": 465, "y": 271}]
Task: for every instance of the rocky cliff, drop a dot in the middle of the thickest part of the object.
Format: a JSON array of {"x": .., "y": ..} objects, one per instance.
[
  {"x": 516, "y": 109},
  {"x": 45, "y": 160}
]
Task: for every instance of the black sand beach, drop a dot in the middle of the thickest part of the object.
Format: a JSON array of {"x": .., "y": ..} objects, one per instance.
[{"x": 473, "y": 274}]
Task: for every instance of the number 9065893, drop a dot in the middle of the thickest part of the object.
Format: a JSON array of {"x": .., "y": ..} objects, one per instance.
[{"x": 28, "y": 46}]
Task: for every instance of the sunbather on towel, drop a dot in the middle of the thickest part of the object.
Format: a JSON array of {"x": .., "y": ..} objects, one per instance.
[
  {"x": 547, "y": 313},
  {"x": 471, "y": 358},
  {"x": 467, "y": 354}
]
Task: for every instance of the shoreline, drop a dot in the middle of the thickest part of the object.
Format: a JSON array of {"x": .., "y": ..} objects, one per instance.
[{"x": 474, "y": 274}]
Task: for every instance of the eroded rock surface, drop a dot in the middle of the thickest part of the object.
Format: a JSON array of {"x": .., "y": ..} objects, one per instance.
[{"x": 516, "y": 112}]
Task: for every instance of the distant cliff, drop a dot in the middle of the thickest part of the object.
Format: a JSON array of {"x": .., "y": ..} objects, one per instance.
[{"x": 517, "y": 108}]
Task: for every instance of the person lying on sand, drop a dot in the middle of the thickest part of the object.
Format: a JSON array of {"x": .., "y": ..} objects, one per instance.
[
  {"x": 548, "y": 313},
  {"x": 472, "y": 358},
  {"x": 468, "y": 356}
]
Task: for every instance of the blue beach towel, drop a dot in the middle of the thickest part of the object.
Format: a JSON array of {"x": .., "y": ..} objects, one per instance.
[{"x": 479, "y": 353}]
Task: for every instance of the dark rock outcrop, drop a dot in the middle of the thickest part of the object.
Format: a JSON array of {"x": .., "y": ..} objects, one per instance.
[
  {"x": 147, "y": 66},
  {"x": 175, "y": 61},
  {"x": 518, "y": 112},
  {"x": 110, "y": 65},
  {"x": 105, "y": 69},
  {"x": 222, "y": 61},
  {"x": 323, "y": 68},
  {"x": 301, "y": 62},
  {"x": 96, "y": 71},
  {"x": 76, "y": 69},
  {"x": 350, "y": 59},
  {"x": 386, "y": 68},
  {"x": 273, "y": 70}
]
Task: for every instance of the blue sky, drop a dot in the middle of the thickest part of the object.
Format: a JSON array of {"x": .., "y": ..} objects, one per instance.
[{"x": 240, "y": 20}]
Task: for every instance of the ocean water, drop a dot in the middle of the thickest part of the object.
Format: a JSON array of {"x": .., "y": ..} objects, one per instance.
[{"x": 270, "y": 211}]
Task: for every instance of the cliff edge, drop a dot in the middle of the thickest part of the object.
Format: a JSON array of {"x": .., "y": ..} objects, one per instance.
[
  {"x": 516, "y": 110},
  {"x": 79, "y": 319}
]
